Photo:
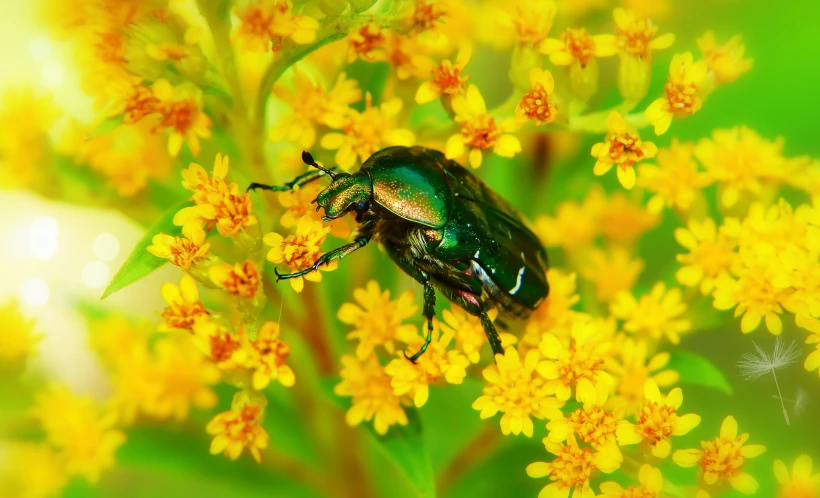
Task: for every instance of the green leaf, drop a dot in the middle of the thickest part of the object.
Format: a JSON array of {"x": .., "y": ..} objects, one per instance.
[
  {"x": 696, "y": 369},
  {"x": 404, "y": 445},
  {"x": 141, "y": 262},
  {"x": 372, "y": 78},
  {"x": 105, "y": 127}
]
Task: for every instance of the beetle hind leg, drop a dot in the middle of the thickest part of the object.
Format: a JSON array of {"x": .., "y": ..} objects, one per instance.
[
  {"x": 472, "y": 305},
  {"x": 429, "y": 311}
]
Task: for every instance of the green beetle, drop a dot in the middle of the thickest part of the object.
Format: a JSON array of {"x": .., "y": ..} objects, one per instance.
[{"x": 441, "y": 225}]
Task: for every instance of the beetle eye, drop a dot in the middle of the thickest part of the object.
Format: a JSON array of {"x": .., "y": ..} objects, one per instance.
[{"x": 360, "y": 206}]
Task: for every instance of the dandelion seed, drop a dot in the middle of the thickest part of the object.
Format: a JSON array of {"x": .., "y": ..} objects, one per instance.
[
  {"x": 798, "y": 403},
  {"x": 759, "y": 363}
]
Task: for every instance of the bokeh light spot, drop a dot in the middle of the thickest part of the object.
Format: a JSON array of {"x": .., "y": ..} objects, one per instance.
[
  {"x": 106, "y": 247},
  {"x": 95, "y": 274},
  {"x": 39, "y": 48},
  {"x": 44, "y": 227},
  {"x": 34, "y": 292}
]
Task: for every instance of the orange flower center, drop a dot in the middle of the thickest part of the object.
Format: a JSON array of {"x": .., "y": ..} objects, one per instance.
[
  {"x": 579, "y": 44},
  {"x": 272, "y": 352},
  {"x": 244, "y": 283},
  {"x": 535, "y": 105},
  {"x": 656, "y": 422},
  {"x": 183, "y": 316},
  {"x": 625, "y": 149},
  {"x": 223, "y": 347},
  {"x": 184, "y": 252},
  {"x": 110, "y": 48},
  {"x": 636, "y": 42},
  {"x": 481, "y": 133},
  {"x": 425, "y": 15},
  {"x": 572, "y": 466},
  {"x": 681, "y": 97},
  {"x": 580, "y": 365},
  {"x": 722, "y": 456},
  {"x": 180, "y": 115},
  {"x": 448, "y": 78},
  {"x": 139, "y": 104},
  {"x": 368, "y": 39},
  {"x": 257, "y": 23},
  {"x": 594, "y": 427}
]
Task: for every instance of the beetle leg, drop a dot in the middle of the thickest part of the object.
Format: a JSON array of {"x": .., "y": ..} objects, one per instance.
[
  {"x": 429, "y": 311},
  {"x": 326, "y": 258},
  {"x": 473, "y": 306},
  {"x": 300, "y": 180}
]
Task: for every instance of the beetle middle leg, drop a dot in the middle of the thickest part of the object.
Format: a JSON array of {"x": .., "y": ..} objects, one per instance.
[
  {"x": 473, "y": 305},
  {"x": 338, "y": 253}
]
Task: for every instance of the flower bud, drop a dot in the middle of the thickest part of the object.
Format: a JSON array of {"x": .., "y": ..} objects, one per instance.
[
  {"x": 633, "y": 77},
  {"x": 332, "y": 8},
  {"x": 361, "y": 5},
  {"x": 583, "y": 80}
]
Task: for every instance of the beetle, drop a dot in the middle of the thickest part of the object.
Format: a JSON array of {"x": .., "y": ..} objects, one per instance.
[{"x": 441, "y": 225}]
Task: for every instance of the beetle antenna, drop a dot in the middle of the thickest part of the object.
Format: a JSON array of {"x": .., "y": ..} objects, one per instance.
[{"x": 307, "y": 158}]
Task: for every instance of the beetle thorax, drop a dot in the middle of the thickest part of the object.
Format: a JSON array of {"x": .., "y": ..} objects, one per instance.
[{"x": 345, "y": 193}]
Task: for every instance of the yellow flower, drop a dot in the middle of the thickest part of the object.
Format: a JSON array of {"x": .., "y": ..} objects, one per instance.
[
  {"x": 725, "y": 63},
  {"x": 266, "y": 356},
  {"x": 240, "y": 279},
  {"x": 538, "y": 105},
  {"x": 479, "y": 130},
  {"x": 85, "y": 435},
  {"x": 530, "y": 20},
  {"x": 636, "y": 36},
  {"x": 363, "y": 43},
  {"x": 801, "y": 484},
  {"x": 32, "y": 471},
  {"x": 363, "y": 133},
  {"x": 658, "y": 421},
  {"x": 556, "y": 312},
  {"x": 184, "y": 309},
  {"x": 681, "y": 93},
  {"x": 739, "y": 160},
  {"x": 300, "y": 250},
  {"x": 723, "y": 458},
  {"x": 711, "y": 254},
  {"x": 622, "y": 148},
  {"x": 612, "y": 271},
  {"x": 240, "y": 427},
  {"x": 574, "y": 226},
  {"x": 651, "y": 485},
  {"x": 591, "y": 424},
  {"x": 468, "y": 332},
  {"x": 23, "y": 145},
  {"x": 264, "y": 24},
  {"x": 405, "y": 56},
  {"x": 622, "y": 219},
  {"x": 377, "y": 320},
  {"x": 572, "y": 468},
  {"x": 299, "y": 202},
  {"x": 130, "y": 98},
  {"x": 577, "y": 46},
  {"x": 18, "y": 339},
  {"x": 373, "y": 395},
  {"x": 631, "y": 370},
  {"x": 312, "y": 106},
  {"x": 576, "y": 362},
  {"x": 181, "y": 109},
  {"x": 812, "y": 361},
  {"x": 515, "y": 389},
  {"x": 221, "y": 345},
  {"x": 437, "y": 363},
  {"x": 675, "y": 181},
  {"x": 425, "y": 14},
  {"x": 655, "y": 315},
  {"x": 186, "y": 252},
  {"x": 446, "y": 78}
]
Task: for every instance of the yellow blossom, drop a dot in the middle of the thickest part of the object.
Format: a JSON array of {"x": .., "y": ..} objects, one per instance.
[
  {"x": 591, "y": 424},
  {"x": 577, "y": 46},
  {"x": 84, "y": 434},
  {"x": 515, "y": 389},
  {"x": 801, "y": 483},
  {"x": 405, "y": 56},
  {"x": 675, "y": 181},
  {"x": 184, "y": 308},
  {"x": 239, "y": 279},
  {"x": 530, "y": 20},
  {"x": 18, "y": 340},
  {"x": 446, "y": 79},
  {"x": 363, "y": 43},
  {"x": 425, "y": 14},
  {"x": 636, "y": 35},
  {"x": 681, "y": 94},
  {"x": 622, "y": 220},
  {"x": 572, "y": 468},
  {"x": 658, "y": 421},
  {"x": 186, "y": 252},
  {"x": 556, "y": 312},
  {"x": 622, "y": 148},
  {"x": 576, "y": 362},
  {"x": 574, "y": 226},
  {"x": 725, "y": 63},
  {"x": 538, "y": 105},
  {"x": 264, "y": 24},
  {"x": 436, "y": 365},
  {"x": 266, "y": 356},
  {"x": 711, "y": 254},
  {"x": 377, "y": 320},
  {"x": 32, "y": 470},
  {"x": 656, "y": 315},
  {"x": 222, "y": 345},
  {"x": 300, "y": 250},
  {"x": 468, "y": 332},
  {"x": 740, "y": 160},
  {"x": 612, "y": 271},
  {"x": 373, "y": 395},
  {"x": 23, "y": 146},
  {"x": 312, "y": 106},
  {"x": 363, "y": 133},
  {"x": 181, "y": 109},
  {"x": 631, "y": 369},
  {"x": 478, "y": 130},
  {"x": 240, "y": 427},
  {"x": 298, "y": 202},
  {"x": 722, "y": 459},
  {"x": 650, "y": 485}
]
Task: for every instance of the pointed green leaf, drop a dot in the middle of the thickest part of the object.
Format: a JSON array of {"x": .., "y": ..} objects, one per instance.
[
  {"x": 105, "y": 127},
  {"x": 696, "y": 369},
  {"x": 404, "y": 445},
  {"x": 141, "y": 262}
]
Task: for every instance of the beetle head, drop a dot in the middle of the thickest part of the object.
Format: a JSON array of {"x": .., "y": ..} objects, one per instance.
[{"x": 345, "y": 193}]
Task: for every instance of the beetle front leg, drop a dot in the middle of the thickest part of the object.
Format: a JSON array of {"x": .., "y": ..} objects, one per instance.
[
  {"x": 300, "y": 180},
  {"x": 326, "y": 258}
]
